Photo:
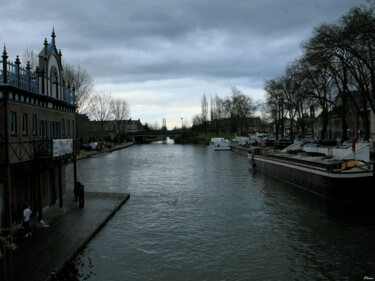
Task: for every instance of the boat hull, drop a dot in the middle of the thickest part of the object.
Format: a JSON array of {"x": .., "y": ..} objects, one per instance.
[
  {"x": 342, "y": 186},
  {"x": 220, "y": 148}
]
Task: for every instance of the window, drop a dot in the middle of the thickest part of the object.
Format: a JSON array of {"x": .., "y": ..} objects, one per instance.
[
  {"x": 14, "y": 124},
  {"x": 34, "y": 125},
  {"x": 63, "y": 127},
  {"x": 67, "y": 127},
  {"x": 54, "y": 130},
  {"x": 40, "y": 129},
  {"x": 58, "y": 129},
  {"x": 24, "y": 124},
  {"x": 72, "y": 127},
  {"x": 45, "y": 129}
]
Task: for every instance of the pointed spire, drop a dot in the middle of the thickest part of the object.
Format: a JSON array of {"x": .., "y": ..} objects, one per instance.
[
  {"x": 53, "y": 36},
  {"x": 5, "y": 51},
  {"x": 45, "y": 47}
]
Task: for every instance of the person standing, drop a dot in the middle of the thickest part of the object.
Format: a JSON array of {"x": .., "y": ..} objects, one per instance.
[
  {"x": 76, "y": 191},
  {"x": 81, "y": 195},
  {"x": 26, "y": 220}
]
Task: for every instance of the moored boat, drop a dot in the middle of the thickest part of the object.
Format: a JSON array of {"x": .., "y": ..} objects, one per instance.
[
  {"x": 220, "y": 144},
  {"x": 339, "y": 174}
]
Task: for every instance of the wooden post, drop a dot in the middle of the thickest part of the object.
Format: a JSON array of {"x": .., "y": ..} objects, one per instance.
[{"x": 60, "y": 187}]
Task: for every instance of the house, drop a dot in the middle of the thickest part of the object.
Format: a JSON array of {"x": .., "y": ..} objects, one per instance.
[
  {"x": 89, "y": 130},
  {"x": 37, "y": 132},
  {"x": 356, "y": 125}
]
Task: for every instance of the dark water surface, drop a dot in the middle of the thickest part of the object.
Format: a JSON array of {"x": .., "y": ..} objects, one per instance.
[{"x": 196, "y": 214}]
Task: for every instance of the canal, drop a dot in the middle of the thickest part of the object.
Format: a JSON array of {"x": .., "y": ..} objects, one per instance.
[{"x": 196, "y": 214}]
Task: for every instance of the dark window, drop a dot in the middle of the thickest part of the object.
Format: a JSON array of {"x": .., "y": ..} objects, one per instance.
[
  {"x": 14, "y": 124},
  {"x": 67, "y": 127},
  {"x": 34, "y": 125},
  {"x": 72, "y": 127},
  {"x": 58, "y": 129},
  {"x": 54, "y": 130},
  {"x": 63, "y": 127},
  {"x": 45, "y": 129},
  {"x": 40, "y": 129},
  {"x": 24, "y": 124}
]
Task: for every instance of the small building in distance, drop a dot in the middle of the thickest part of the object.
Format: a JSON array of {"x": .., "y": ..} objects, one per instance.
[
  {"x": 111, "y": 130},
  {"x": 37, "y": 132}
]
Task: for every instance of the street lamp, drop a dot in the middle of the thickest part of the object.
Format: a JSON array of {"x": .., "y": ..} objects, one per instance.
[{"x": 182, "y": 122}]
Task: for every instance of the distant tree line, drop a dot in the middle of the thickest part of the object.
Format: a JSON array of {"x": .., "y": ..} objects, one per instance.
[
  {"x": 336, "y": 72},
  {"x": 237, "y": 108}
]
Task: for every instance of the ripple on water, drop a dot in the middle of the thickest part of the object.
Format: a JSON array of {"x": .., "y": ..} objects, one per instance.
[{"x": 195, "y": 214}]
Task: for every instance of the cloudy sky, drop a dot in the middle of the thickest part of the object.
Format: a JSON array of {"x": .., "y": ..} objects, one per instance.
[{"x": 163, "y": 55}]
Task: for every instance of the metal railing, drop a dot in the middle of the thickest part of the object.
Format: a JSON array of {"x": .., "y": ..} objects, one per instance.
[{"x": 23, "y": 78}]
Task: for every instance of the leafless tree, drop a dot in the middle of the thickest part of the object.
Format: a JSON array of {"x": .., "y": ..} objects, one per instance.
[
  {"x": 79, "y": 78},
  {"x": 100, "y": 106},
  {"x": 204, "y": 112},
  {"x": 120, "y": 111},
  {"x": 31, "y": 57},
  {"x": 216, "y": 113},
  {"x": 276, "y": 104},
  {"x": 239, "y": 108}
]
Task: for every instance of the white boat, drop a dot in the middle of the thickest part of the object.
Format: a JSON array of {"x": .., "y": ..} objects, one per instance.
[{"x": 220, "y": 144}]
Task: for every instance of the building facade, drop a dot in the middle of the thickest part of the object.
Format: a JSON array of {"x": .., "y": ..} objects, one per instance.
[
  {"x": 111, "y": 130},
  {"x": 356, "y": 126},
  {"x": 37, "y": 132}
]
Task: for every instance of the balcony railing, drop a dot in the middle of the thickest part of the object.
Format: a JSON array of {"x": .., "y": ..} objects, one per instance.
[
  {"x": 32, "y": 150},
  {"x": 24, "y": 78}
]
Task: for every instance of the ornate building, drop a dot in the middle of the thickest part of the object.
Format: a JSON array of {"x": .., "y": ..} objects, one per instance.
[{"x": 37, "y": 132}]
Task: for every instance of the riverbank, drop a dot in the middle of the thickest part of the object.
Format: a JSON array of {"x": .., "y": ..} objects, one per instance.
[
  {"x": 91, "y": 153},
  {"x": 239, "y": 149}
]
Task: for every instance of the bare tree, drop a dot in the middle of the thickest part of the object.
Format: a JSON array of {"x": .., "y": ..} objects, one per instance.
[
  {"x": 100, "y": 107},
  {"x": 216, "y": 113},
  {"x": 197, "y": 120},
  {"x": 31, "y": 57},
  {"x": 120, "y": 111},
  {"x": 164, "y": 126},
  {"x": 276, "y": 104},
  {"x": 204, "y": 113},
  {"x": 80, "y": 79}
]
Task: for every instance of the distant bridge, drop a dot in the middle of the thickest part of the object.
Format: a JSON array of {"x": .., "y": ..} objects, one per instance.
[{"x": 153, "y": 134}]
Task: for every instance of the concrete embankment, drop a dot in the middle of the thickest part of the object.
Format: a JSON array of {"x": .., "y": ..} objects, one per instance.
[
  {"x": 239, "y": 149},
  {"x": 49, "y": 249},
  {"x": 93, "y": 153}
]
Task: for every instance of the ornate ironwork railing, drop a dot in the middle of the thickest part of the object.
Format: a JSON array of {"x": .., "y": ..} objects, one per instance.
[
  {"x": 21, "y": 77},
  {"x": 26, "y": 79}
]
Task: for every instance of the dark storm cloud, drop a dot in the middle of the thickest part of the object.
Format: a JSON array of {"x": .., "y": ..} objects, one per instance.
[
  {"x": 219, "y": 42},
  {"x": 177, "y": 38}
]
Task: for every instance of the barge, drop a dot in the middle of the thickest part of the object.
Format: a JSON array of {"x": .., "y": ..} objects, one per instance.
[{"x": 339, "y": 174}]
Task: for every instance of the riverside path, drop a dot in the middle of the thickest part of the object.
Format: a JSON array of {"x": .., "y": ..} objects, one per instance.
[{"x": 49, "y": 249}]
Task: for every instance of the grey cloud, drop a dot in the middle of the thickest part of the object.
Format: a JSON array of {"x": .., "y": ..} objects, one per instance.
[{"x": 124, "y": 41}]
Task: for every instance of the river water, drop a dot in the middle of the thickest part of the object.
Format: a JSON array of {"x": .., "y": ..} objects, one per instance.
[{"x": 196, "y": 214}]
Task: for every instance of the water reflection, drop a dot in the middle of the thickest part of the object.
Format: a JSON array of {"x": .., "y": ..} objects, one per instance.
[{"x": 196, "y": 214}]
